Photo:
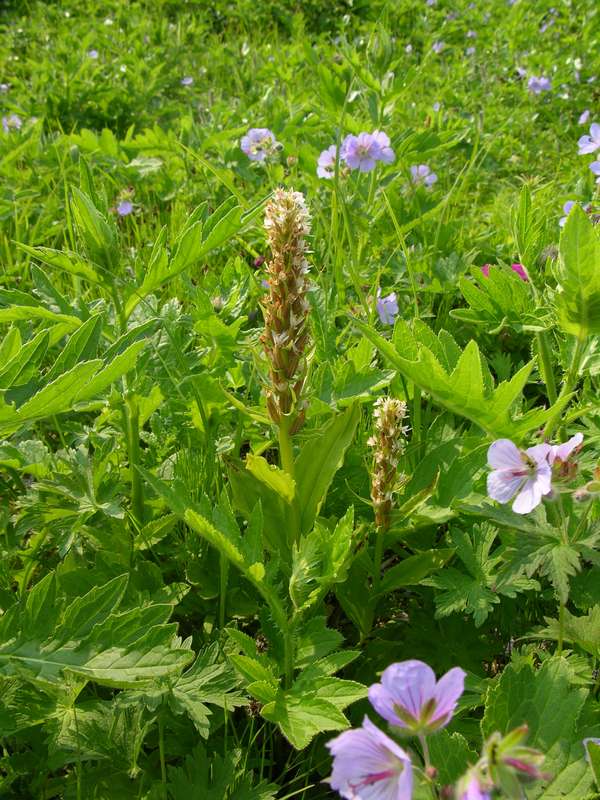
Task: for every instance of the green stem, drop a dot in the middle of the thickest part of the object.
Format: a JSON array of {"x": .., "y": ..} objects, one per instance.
[
  {"x": 161, "y": 752},
  {"x": 561, "y": 627},
  {"x": 569, "y": 383},
  {"x": 416, "y": 420},
  {"x": 131, "y": 415},
  {"x": 425, "y": 748},
  {"x": 378, "y": 559},
  {"x": 288, "y": 654},
  {"x": 223, "y": 580}
]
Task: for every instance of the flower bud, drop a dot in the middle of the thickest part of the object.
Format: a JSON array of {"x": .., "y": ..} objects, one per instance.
[{"x": 510, "y": 763}]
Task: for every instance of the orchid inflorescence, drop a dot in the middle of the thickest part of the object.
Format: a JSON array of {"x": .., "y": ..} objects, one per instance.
[
  {"x": 387, "y": 441},
  {"x": 285, "y": 305}
]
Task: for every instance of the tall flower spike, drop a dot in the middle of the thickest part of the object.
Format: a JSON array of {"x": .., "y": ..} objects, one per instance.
[
  {"x": 388, "y": 445},
  {"x": 285, "y": 306}
]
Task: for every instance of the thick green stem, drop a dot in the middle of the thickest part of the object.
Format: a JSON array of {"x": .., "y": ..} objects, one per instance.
[
  {"x": 569, "y": 383},
  {"x": 425, "y": 749},
  {"x": 286, "y": 457},
  {"x": 545, "y": 365},
  {"x": 288, "y": 654},
  {"x": 378, "y": 559}
]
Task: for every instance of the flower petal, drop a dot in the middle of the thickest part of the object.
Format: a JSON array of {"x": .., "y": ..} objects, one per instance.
[
  {"x": 504, "y": 454},
  {"x": 410, "y": 683},
  {"x": 563, "y": 451},
  {"x": 529, "y": 497},
  {"x": 502, "y": 485},
  {"x": 449, "y": 688}
]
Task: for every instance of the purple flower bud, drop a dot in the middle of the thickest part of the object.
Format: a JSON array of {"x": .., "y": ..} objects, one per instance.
[
  {"x": 486, "y": 270},
  {"x": 520, "y": 270},
  {"x": 566, "y": 210},
  {"x": 584, "y": 117}
]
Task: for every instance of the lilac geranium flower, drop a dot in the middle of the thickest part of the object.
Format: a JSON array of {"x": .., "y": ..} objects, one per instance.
[
  {"x": 326, "y": 162},
  {"x": 421, "y": 173},
  {"x": 124, "y": 208},
  {"x": 470, "y": 51},
  {"x": 259, "y": 143},
  {"x": 410, "y": 698},
  {"x": 566, "y": 210},
  {"x": 93, "y": 54},
  {"x": 524, "y": 475},
  {"x": 584, "y": 117},
  {"x": 12, "y": 122},
  {"x": 187, "y": 80},
  {"x": 438, "y": 46},
  {"x": 387, "y": 308},
  {"x": 4, "y": 87},
  {"x": 589, "y": 144},
  {"x": 538, "y": 85},
  {"x": 361, "y": 152},
  {"x": 595, "y": 167},
  {"x": 368, "y": 765}
]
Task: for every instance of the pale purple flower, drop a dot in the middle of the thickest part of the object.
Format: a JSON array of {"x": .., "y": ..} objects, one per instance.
[
  {"x": 521, "y": 72},
  {"x": 368, "y": 765},
  {"x": 187, "y": 80},
  {"x": 562, "y": 452},
  {"x": 382, "y": 140},
  {"x": 387, "y": 308},
  {"x": 471, "y": 34},
  {"x": 584, "y": 117},
  {"x": 566, "y": 210},
  {"x": 4, "y": 87},
  {"x": 421, "y": 173},
  {"x": 438, "y": 46},
  {"x": 409, "y": 696},
  {"x": 124, "y": 208},
  {"x": 591, "y": 143},
  {"x": 527, "y": 474},
  {"x": 595, "y": 167},
  {"x": 360, "y": 152},
  {"x": 408, "y": 48},
  {"x": 431, "y": 3},
  {"x": 259, "y": 143},
  {"x": 326, "y": 162},
  {"x": 12, "y": 122},
  {"x": 538, "y": 85},
  {"x": 93, "y": 54},
  {"x": 470, "y": 51},
  {"x": 436, "y": 107},
  {"x": 521, "y": 272}
]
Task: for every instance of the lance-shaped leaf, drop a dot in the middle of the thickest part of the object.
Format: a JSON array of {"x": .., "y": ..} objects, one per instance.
[{"x": 578, "y": 302}]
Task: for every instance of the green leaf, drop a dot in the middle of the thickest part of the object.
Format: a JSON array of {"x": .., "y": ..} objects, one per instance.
[
  {"x": 66, "y": 261},
  {"x": 578, "y": 304},
  {"x": 273, "y": 477},
  {"x": 550, "y": 705},
  {"x": 92, "y": 638},
  {"x": 465, "y": 388},
  {"x": 412, "y": 570},
  {"x": 450, "y": 755},
  {"x": 319, "y": 460}
]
